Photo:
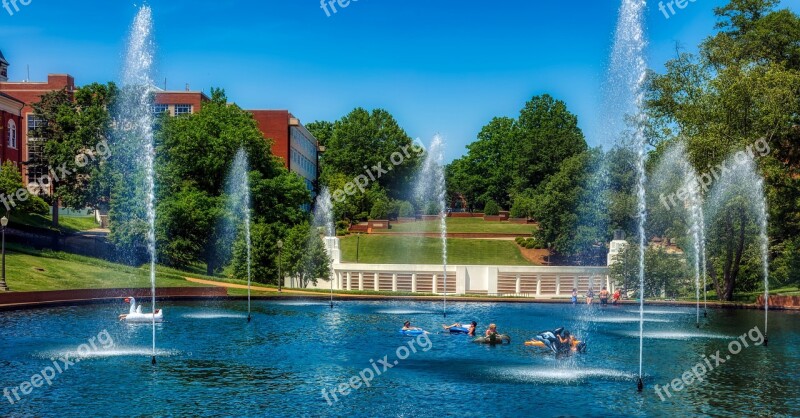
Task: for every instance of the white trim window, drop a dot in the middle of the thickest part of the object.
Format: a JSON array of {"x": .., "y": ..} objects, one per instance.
[
  {"x": 12, "y": 134},
  {"x": 183, "y": 109},
  {"x": 160, "y": 109}
]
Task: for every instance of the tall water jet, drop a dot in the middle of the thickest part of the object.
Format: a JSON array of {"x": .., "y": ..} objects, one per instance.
[
  {"x": 740, "y": 191},
  {"x": 323, "y": 219},
  {"x": 677, "y": 183},
  {"x": 237, "y": 188},
  {"x": 133, "y": 133},
  {"x": 625, "y": 94},
  {"x": 431, "y": 188}
]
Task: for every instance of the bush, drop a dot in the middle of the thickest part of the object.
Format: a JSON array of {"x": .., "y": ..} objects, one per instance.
[
  {"x": 522, "y": 207},
  {"x": 491, "y": 208},
  {"x": 404, "y": 209},
  {"x": 432, "y": 208},
  {"x": 380, "y": 210},
  {"x": 342, "y": 227}
]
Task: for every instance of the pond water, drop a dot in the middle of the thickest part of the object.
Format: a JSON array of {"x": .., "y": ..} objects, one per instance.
[{"x": 211, "y": 362}]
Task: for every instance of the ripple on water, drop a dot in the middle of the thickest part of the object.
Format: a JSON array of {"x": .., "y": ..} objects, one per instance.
[
  {"x": 214, "y": 315},
  {"x": 661, "y": 311},
  {"x": 674, "y": 335},
  {"x": 561, "y": 376},
  {"x": 404, "y": 312},
  {"x": 101, "y": 353},
  {"x": 302, "y": 303},
  {"x": 623, "y": 319}
]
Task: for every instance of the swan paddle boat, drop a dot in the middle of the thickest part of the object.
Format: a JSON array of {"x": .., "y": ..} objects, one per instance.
[{"x": 135, "y": 314}]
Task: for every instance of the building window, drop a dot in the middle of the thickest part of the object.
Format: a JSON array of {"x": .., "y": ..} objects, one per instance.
[
  {"x": 160, "y": 109},
  {"x": 12, "y": 134},
  {"x": 183, "y": 109},
  {"x": 36, "y": 165}
]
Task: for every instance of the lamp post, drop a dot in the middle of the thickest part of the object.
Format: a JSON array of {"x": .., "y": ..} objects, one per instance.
[
  {"x": 3, "y": 285},
  {"x": 358, "y": 245},
  {"x": 280, "y": 261}
]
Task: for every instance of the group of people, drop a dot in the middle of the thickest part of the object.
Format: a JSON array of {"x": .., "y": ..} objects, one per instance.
[
  {"x": 558, "y": 340},
  {"x": 604, "y": 294}
]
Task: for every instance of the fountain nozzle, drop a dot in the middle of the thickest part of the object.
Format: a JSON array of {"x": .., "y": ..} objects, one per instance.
[
  {"x": 766, "y": 340},
  {"x": 639, "y": 385},
  {"x": 705, "y": 314},
  {"x": 698, "y": 325},
  {"x": 248, "y": 318},
  {"x": 153, "y": 362}
]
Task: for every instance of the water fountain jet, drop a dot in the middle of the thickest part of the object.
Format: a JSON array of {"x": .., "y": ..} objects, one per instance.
[
  {"x": 133, "y": 129},
  {"x": 237, "y": 188},
  {"x": 625, "y": 85},
  {"x": 431, "y": 187}
]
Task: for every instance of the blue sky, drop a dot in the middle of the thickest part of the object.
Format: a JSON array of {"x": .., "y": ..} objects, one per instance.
[{"x": 437, "y": 65}]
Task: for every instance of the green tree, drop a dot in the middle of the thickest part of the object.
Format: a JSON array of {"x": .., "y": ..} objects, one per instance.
[
  {"x": 74, "y": 130},
  {"x": 305, "y": 258},
  {"x": 10, "y": 185},
  {"x": 666, "y": 275},
  {"x": 193, "y": 153},
  {"x": 742, "y": 86},
  {"x": 362, "y": 141},
  {"x": 548, "y": 134}
]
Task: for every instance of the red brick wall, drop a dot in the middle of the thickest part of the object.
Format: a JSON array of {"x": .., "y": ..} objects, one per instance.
[
  {"x": 195, "y": 99},
  {"x": 12, "y": 154},
  {"x": 274, "y": 124},
  {"x": 30, "y": 93}
]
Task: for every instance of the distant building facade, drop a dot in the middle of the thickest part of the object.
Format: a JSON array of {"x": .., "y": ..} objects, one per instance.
[
  {"x": 29, "y": 93},
  {"x": 178, "y": 103},
  {"x": 292, "y": 142}
]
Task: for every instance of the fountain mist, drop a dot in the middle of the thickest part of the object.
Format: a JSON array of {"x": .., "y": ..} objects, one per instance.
[
  {"x": 627, "y": 73},
  {"x": 237, "y": 189},
  {"x": 673, "y": 177},
  {"x": 742, "y": 187},
  {"x": 134, "y": 129},
  {"x": 431, "y": 187},
  {"x": 323, "y": 219}
]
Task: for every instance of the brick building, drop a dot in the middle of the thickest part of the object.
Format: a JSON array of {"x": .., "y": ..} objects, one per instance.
[
  {"x": 178, "y": 103},
  {"x": 292, "y": 142},
  {"x": 10, "y": 126},
  {"x": 28, "y": 93}
]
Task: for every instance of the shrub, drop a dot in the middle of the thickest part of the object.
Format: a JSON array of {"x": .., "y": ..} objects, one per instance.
[
  {"x": 522, "y": 207},
  {"x": 432, "y": 208},
  {"x": 380, "y": 210},
  {"x": 491, "y": 208},
  {"x": 404, "y": 209}
]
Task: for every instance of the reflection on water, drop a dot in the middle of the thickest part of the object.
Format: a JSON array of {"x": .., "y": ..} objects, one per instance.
[{"x": 215, "y": 363}]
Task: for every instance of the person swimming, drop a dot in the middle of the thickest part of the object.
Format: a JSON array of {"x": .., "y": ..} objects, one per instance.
[{"x": 492, "y": 330}]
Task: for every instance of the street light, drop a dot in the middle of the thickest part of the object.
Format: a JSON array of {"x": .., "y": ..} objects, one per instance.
[
  {"x": 280, "y": 261},
  {"x": 3, "y": 285},
  {"x": 358, "y": 245}
]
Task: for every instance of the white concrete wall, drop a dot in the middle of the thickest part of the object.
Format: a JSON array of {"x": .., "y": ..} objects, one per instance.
[{"x": 476, "y": 279}]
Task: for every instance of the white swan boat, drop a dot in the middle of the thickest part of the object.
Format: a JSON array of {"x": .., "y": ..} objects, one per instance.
[{"x": 135, "y": 314}]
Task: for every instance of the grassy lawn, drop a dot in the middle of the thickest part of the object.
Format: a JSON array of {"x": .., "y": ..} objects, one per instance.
[
  {"x": 465, "y": 225},
  {"x": 67, "y": 224},
  {"x": 31, "y": 270},
  {"x": 383, "y": 249}
]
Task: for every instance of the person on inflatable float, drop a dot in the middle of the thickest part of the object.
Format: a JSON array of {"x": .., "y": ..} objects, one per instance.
[
  {"x": 471, "y": 328},
  {"x": 492, "y": 330},
  {"x": 407, "y": 327}
]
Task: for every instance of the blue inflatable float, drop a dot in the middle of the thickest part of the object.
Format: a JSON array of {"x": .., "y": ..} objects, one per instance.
[
  {"x": 412, "y": 332},
  {"x": 458, "y": 330}
]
